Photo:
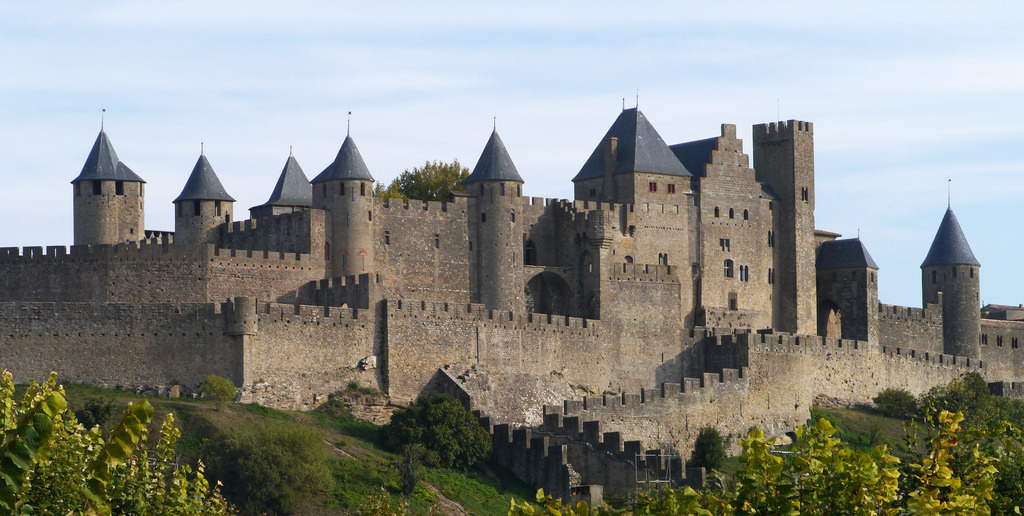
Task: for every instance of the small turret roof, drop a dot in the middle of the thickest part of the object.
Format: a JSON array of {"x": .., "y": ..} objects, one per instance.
[
  {"x": 348, "y": 164},
  {"x": 293, "y": 188},
  {"x": 494, "y": 164},
  {"x": 842, "y": 254},
  {"x": 950, "y": 246},
  {"x": 639, "y": 149},
  {"x": 203, "y": 184},
  {"x": 102, "y": 163}
]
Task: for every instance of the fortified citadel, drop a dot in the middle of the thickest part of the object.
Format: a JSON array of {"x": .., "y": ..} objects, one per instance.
[{"x": 685, "y": 286}]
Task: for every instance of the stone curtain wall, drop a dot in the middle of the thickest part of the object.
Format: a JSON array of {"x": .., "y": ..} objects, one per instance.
[
  {"x": 301, "y": 354},
  {"x": 296, "y": 232},
  {"x": 110, "y": 344},
  {"x": 422, "y": 249},
  {"x": 910, "y": 328},
  {"x": 151, "y": 273}
]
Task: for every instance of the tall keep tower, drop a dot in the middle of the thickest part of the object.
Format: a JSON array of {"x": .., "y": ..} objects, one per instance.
[
  {"x": 107, "y": 198},
  {"x": 784, "y": 158},
  {"x": 202, "y": 206},
  {"x": 345, "y": 191},
  {"x": 496, "y": 229},
  {"x": 952, "y": 269}
]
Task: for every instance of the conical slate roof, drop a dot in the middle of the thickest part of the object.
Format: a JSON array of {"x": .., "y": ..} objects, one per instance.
[
  {"x": 950, "y": 246},
  {"x": 203, "y": 184},
  {"x": 292, "y": 189},
  {"x": 102, "y": 163},
  {"x": 348, "y": 164},
  {"x": 842, "y": 254},
  {"x": 640, "y": 149},
  {"x": 494, "y": 164}
]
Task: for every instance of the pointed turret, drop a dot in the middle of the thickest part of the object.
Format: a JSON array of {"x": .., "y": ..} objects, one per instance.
[
  {"x": 950, "y": 246},
  {"x": 951, "y": 276},
  {"x": 630, "y": 147},
  {"x": 348, "y": 164},
  {"x": 292, "y": 192},
  {"x": 494, "y": 164},
  {"x": 345, "y": 191},
  {"x": 497, "y": 227},
  {"x": 202, "y": 206},
  {"x": 108, "y": 196}
]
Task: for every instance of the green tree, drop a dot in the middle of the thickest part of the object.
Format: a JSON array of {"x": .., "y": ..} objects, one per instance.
[
  {"x": 219, "y": 389},
  {"x": 896, "y": 403},
  {"x": 431, "y": 182},
  {"x": 272, "y": 468},
  {"x": 442, "y": 425},
  {"x": 708, "y": 450},
  {"x": 51, "y": 464}
]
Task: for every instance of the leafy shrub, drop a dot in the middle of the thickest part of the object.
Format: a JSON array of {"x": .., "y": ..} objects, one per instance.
[
  {"x": 96, "y": 412},
  {"x": 219, "y": 389},
  {"x": 269, "y": 468},
  {"x": 896, "y": 403},
  {"x": 708, "y": 450},
  {"x": 442, "y": 425}
]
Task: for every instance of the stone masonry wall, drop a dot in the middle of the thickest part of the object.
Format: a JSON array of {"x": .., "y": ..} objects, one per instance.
[
  {"x": 294, "y": 232},
  {"x": 110, "y": 344}
]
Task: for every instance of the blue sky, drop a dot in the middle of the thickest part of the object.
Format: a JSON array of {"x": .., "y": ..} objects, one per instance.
[{"x": 902, "y": 97}]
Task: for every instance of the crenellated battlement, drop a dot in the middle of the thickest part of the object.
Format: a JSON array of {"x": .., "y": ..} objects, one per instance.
[
  {"x": 781, "y": 130},
  {"x": 931, "y": 313},
  {"x": 965, "y": 364},
  {"x": 355, "y": 291},
  {"x": 474, "y": 312},
  {"x": 405, "y": 207},
  {"x": 138, "y": 251},
  {"x": 13, "y": 311},
  {"x": 644, "y": 272},
  {"x": 279, "y": 313}
]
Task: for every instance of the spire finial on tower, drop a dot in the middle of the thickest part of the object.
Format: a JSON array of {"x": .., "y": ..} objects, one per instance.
[
  {"x": 348, "y": 128},
  {"x": 103, "y": 115},
  {"x": 623, "y": 103},
  {"x": 638, "y": 99},
  {"x": 290, "y": 153},
  {"x": 949, "y": 193},
  {"x": 202, "y": 148},
  {"x": 495, "y": 128}
]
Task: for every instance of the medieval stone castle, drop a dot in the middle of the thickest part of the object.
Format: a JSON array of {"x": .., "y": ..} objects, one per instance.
[{"x": 685, "y": 286}]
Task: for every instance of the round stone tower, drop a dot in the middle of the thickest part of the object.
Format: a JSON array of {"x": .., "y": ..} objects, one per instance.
[
  {"x": 345, "y": 191},
  {"x": 107, "y": 198},
  {"x": 202, "y": 206},
  {"x": 496, "y": 229},
  {"x": 952, "y": 269}
]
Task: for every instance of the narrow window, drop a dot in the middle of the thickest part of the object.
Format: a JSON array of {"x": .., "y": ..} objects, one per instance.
[
  {"x": 97, "y": 188},
  {"x": 771, "y": 275},
  {"x": 343, "y": 189},
  {"x": 652, "y": 187},
  {"x": 671, "y": 188},
  {"x": 362, "y": 189},
  {"x": 179, "y": 208},
  {"x": 935, "y": 276},
  {"x": 437, "y": 241},
  {"x": 803, "y": 194},
  {"x": 216, "y": 206},
  {"x": 734, "y": 302},
  {"x": 501, "y": 188},
  {"x": 716, "y": 212},
  {"x": 732, "y": 215},
  {"x": 593, "y": 192},
  {"x": 728, "y": 269},
  {"x": 387, "y": 238},
  {"x": 662, "y": 259},
  {"x": 369, "y": 216},
  {"x": 119, "y": 188},
  {"x": 999, "y": 340},
  {"x": 954, "y": 272},
  {"x": 327, "y": 251},
  {"x": 771, "y": 206},
  {"x": 512, "y": 216},
  {"x": 481, "y": 188},
  {"x": 530, "y": 253},
  {"x": 972, "y": 271},
  {"x": 746, "y": 215},
  {"x": 227, "y": 218},
  {"x": 324, "y": 189},
  {"x": 1013, "y": 343},
  {"x": 483, "y": 217},
  {"x": 519, "y": 190},
  {"x": 195, "y": 208},
  {"x": 771, "y": 239}
]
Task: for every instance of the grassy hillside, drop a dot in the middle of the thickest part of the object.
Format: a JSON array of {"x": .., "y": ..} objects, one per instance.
[{"x": 356, "y": 465}]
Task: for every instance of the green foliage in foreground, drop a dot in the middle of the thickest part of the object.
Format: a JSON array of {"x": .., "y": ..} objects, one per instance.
[
  {"x": 442, "y": 426},
  {"x": 960, "y": 472},
  {"x": 51, "y": 464}
]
